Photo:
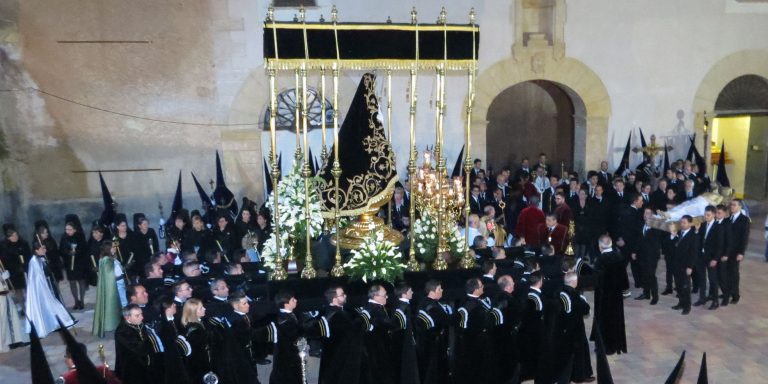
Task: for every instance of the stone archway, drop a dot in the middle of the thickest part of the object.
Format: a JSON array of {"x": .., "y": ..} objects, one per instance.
[
  {"x": 738, "y": 65},
  {"x": 591, "y": 129},
  {"x": 747, "y": 62}
]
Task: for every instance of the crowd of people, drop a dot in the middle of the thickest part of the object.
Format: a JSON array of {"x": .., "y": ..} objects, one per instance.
[{"x": 186, "y": 311}]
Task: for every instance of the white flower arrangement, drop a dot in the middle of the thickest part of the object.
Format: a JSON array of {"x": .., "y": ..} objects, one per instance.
[
  {"x": 293, "y": 218},
  {"x": 376, "y": 259},
  {"x": 425, "y": 238}
]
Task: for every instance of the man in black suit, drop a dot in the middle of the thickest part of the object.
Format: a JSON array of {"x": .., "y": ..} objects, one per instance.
[
  {"x": 475, "y": 203},
  {"x": 629, "y": 224},
  {"x": 490, "y": 288},
  {"x": 712, "y": 242},
  {"x": 399, "y": 209},
  {"x": 648, "y": 253},
  {"x": 659, "y": 196},
  {"x": 686, "y": 251},
  {"x": 604, "y": 176},
  {"x": 737, "y": 238},
  {"x": 548, "y": 203},
  {"x": 620, "y": 197}
]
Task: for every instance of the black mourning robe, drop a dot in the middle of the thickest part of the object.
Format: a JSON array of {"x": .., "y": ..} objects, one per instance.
[
  {"x": 144, "y": 246},
  {"x": 77, "y": 261},
  {"x": 377, "y": 363},
  {"x": 199, "y": 361},
  {"x": 506, "y": 335},
  {"x": 531, "y": 334},
  {"x": 405, "y": 365},
  {"x": 342, "y": 347},
  {"x": 573, "y": 340},
  {"x": 15, "y": 257},
  {"x": 609, "y": 302},
  {"x": 286, "y": 364},
  {"x": 475, "y": 344},
  {"x": 135, "y": 354},
  {"x": 431, "y": 327}
]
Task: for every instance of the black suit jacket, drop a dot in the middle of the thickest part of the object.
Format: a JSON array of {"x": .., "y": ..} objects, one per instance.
[
  {"x": 476, "y": 207},
  {"x": 712, "y": 243},
  {"x": 548, "y": 200},
  {"x": 649, "y": 244},
  {"x": 686, "y": 250},
  {"x": 737, "y": 235}
]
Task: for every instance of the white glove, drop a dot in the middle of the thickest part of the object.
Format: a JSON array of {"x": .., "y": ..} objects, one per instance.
[{"x": 6, "y": 275}]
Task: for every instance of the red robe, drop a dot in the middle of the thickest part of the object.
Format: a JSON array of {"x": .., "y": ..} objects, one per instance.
[
  {"x": 528, "y": 224},
  {"x": 564, "y": 214},
  {"x": 558, "y": 238}
]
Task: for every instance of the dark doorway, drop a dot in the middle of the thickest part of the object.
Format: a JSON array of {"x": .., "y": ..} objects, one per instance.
[{"x": 530, "y": 118}]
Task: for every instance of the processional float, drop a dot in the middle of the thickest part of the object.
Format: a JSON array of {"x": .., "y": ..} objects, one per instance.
[{"x": 303, "y": 47}]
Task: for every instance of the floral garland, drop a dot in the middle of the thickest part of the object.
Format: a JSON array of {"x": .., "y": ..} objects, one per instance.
[
  {"x": 293, "y": 219},
  {"x": 377, "y": 259},
  {"x": 426, "y": 238}
]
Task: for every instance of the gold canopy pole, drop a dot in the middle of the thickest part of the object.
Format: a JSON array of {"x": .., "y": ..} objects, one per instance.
[
  {"x": 468, "y": 261},
  {"x": 412, "y": 264},
  {"x": 389, "y": 132},
  {"x": 323, "y": 151},
  {"x": 309, "y": 270},
  {"x": 279, "y": 272},
  {"x": 338, "y": 269},
  {"x": 440, "y": 263}
]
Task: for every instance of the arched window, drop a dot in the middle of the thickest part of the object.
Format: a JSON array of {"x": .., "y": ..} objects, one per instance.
[{"x": 286, "y": 111}]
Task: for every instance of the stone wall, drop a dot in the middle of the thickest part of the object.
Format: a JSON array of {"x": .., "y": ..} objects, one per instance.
[{"x": 175, "y": 81}]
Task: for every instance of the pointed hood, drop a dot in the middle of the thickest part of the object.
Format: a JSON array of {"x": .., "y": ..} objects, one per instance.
[
  {"x": 267, "y": 178},
  {"x": 318, "y": 167},
  {"x": 41, "y": 371},
  {"x": 204, "y": 198},
  {"x": 722, "y": 174},
  {"x": 311, "y": 161},
  {"x": 703, "y": 371},
  {"x": 108, "y": 214},
  {"x": 624, "y": 158},
  {"x": 222, "y": 196},
  {"x": 280, "y": 162},
  {"x": 458, "y": 168},
  {"x": 677, "y": 372},
  {"x": 603, "y": 369},
  {"x": 366, "y": 158},
  {"x": 666, "y": 158},
  {"x": 643, "y": 144},
  {"x": 137, "y": 218},
  {"x": 697, "y": 158},
  {"x": 86, "y": 371},
  {"x": 177, "y": 204},
  {"x": 692, "y": 148}
]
